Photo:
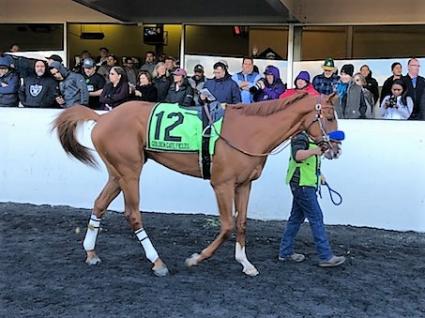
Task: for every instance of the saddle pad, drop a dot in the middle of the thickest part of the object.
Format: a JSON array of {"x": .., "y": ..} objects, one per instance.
[{"x": 175, "y": 128}]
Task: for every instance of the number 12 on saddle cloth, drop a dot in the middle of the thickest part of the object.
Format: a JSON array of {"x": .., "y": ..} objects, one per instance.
[{"x": 175, "y": 128}]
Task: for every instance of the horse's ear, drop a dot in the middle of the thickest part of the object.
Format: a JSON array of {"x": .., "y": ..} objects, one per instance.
[{"x": 332, "y": 98}]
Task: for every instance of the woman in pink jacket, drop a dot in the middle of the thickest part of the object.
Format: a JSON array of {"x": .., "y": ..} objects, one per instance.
[{"x": 302, "y": 84}]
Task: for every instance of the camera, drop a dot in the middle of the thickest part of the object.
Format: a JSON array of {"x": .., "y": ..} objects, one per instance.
[
  {"x": 258, "y": 86},
  {"x": 392, "y": 102}
]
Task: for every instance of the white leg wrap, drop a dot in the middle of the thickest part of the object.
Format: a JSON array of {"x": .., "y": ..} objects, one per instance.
[
  {"x": 91, "y": 234},
  {"x": 150, "y": 251}
]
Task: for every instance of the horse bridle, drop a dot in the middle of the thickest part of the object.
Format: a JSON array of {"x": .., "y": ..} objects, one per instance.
[{"x": 324, "y": 140}]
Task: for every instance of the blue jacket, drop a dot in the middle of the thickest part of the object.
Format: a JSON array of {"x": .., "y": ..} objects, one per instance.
[
  {"x": 9, "y": 92},
  {"x": 73, "y": 88},
  {"x": 246, "y": 95},
  {"x": 224, "y": 89}
]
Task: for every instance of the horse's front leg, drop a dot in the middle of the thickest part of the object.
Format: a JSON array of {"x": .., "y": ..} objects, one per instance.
[
  {"x": 241, "y": 204},
  {"x": 224, "y": 195},
  {"x": 108, "y": 194}
]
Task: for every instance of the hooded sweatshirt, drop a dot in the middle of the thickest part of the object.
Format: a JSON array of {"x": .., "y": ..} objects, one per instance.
[
  {"x": 270, "y": 91},
  {"x": 38, "y": 91},
  {"x": 9, "y": 85},
  {"x": 73, "y": 88}
]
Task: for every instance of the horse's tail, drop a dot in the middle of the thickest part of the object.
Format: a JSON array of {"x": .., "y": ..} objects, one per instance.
[{"x": 66, "y": 126}]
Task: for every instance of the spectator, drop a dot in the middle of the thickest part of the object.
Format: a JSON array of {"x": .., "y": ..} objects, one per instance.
[
  {"x": 103, "y": 55},
  {"x": 9, "y": 84},
  {"x": 180, "y": 90},
  {"x": 397, "y": 70},
  {"x": 117, "y": 90},
  {"x": 302, "y": 84},
  {"x": 161, "y": 81},
  {"x": 371, "y": 83},
  {"x": 197, "y": 81},
  {"x": 224, "y": 89},
  {"x": 326, "y": 82},
  {"x": 145, "y": 90},
  {"x": 170, "y": 64},
  {"x": 39, "y": 89},
  {"x": 246, "y": 79},
  {"x": 95, "y": 83},
  {"x": 53, "y": 58},
  {"x": 14, "y": 48},
  {"x": 149, "y": 62},
  {"x": 130, "y": 71},
  {"x": 354, "y": 100},
  {"x": 397, "y": 105},
  {"x": 79, "y": 60},
  {"x": 105, "y": 69},
  {"x": 415, "y": 86},
  {"x": 270, "y": 86},
  {"x": 72, "y": 86}
]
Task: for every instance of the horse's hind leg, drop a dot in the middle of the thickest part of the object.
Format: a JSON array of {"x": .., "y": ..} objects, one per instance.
[
  {"x": 241, "y": 204},
  {"x": 108, "y": 194},
  {"x": 129, "y": 183}
]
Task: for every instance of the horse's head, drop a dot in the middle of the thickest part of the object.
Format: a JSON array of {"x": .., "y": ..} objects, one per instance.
[{"x": 320, "y": 122}]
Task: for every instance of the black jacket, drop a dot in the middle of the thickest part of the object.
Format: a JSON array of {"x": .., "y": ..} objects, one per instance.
[
  {"x": 114, "y": 96},
  {"x": 184, "y": 96},
  {"x": 372, "y": 86},
  {"x": 149, "y": 93},
  {"x": 162, "y": 85},
  {"x": 38, "y": 91},
  {"x": 416, "y": 93}
]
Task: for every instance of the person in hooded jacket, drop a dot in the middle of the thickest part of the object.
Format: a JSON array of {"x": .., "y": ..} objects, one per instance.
[
  {"x": 302, "y": 84},
  {"x": 9, "y": 84},
  {"x": 38, "y": 90},
  {"x": 270, "y": 86},
  {"x": 72, "y": 86},
  {"x": 222, "y": 86}
]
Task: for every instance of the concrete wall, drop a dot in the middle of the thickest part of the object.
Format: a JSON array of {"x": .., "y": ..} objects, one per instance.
[{"x": 381, "y": 175}]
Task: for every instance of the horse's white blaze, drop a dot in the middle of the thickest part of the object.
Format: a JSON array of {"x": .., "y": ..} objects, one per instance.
[
  {"x": 91, "y": 234},
  {"x": 150, "y": 251},
  {"x": 240, "y": 256}
]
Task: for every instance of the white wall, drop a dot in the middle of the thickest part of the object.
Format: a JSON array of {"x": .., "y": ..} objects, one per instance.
[{"x": 381, "y": 175}]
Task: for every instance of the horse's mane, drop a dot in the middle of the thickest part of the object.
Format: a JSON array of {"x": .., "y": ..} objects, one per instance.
[{"x": 267, "y": 108}]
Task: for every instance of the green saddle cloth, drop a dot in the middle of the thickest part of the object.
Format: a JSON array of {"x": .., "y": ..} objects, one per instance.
[{"x": 175, "y": 128}]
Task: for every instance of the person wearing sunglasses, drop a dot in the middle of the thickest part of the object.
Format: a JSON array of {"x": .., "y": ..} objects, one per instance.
[{"x": 398, "y": 105}]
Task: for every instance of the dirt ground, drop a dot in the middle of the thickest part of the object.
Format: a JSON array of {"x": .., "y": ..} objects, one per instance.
[{"x": 43, "y": 274}]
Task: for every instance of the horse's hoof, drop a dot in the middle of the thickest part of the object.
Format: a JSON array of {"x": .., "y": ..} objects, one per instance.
[
  {"x": 193, "y": 260},
  {"x": 94, "y": 260},
  {"x": 252, "y": 272},
  {"x": 161, "y": 271}
]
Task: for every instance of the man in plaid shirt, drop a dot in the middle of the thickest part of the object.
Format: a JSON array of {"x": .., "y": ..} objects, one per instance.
[{"x": 325, "y": 83}]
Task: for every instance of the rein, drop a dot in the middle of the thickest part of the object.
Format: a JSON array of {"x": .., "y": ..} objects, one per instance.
[
  {"x": 275, "y": 151},
  {"x": 325, "y": 139}
]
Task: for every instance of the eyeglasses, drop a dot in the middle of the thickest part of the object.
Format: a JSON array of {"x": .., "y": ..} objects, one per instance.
[{"x": 397, "y": 89}]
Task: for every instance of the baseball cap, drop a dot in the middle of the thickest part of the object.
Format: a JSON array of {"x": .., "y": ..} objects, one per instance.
[
  {"x": 198, "y": 68},
  {"x": 179, "y": 71},
  {"x": 88, "y": 63},
  {"x": 55, "y": 57}
]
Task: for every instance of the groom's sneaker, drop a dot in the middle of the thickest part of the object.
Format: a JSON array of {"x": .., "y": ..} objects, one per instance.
[
  {"x": 333, "y": 261},
  {"x": 297, "y": 258}
]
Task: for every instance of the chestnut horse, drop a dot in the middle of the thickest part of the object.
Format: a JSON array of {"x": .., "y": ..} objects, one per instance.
[{"x": 249, "y": 133}]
